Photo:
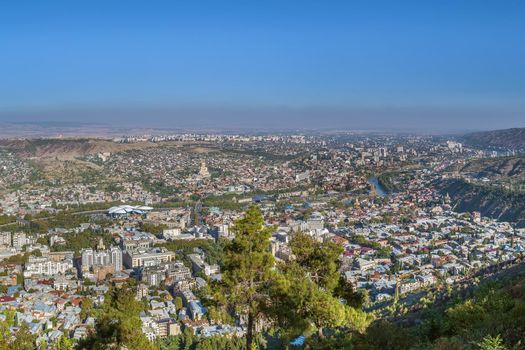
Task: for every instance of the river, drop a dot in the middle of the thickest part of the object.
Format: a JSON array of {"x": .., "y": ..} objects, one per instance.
[{"x": 380, "y": 190}]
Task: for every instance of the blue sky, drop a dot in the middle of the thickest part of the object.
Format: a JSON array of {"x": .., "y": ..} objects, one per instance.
[{"x": 460, "y": 63}]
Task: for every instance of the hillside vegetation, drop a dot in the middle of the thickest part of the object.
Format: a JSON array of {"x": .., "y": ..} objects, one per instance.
[
  {"x": 68, "y": 148},
  {"x": 507, "y": 138},
  {"x": 490, "y": 201},
  {"x": 496, "y": 167},
  {"x": 491, "y": 317},
  {"x": 493, "y": 186}
]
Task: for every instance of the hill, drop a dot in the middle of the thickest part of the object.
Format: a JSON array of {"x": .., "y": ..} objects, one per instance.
[
  {"x": 67, "y": 148},
  {"x": 513, "y": 167},
  {"x": 489, "y": 316},
  {"x": 493, "y": 202},
  {"x": 493, "y": 186},
  {"x": 64, "y": 158},
  {"x": 512, "y": 139}
]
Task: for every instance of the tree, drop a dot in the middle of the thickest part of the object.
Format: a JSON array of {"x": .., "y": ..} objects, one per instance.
[
  {"x": 346, "y": 291},
  {"x": 119, "y": 323},
  {"x": 248, "y": 268},
  {"x": 86, "y": 308},
  {"x": 300, "y": 304},
  {"x": 178, "y": 303},
  {"x": 24, "y": 340},
  {"x": 42, "y": 345},
  {"x": 64, "y": 343},
  {"x": 319, "y": 259},
  {"x": 492, "y": 343}
]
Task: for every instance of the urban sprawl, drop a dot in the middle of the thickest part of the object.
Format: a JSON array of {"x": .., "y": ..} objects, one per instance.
[{"x": 158, "y": 212}]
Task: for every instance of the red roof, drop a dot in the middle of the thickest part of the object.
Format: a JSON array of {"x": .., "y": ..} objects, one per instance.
[
  {"x": 339, "y": 240},
  {"x": 56, "y": 292},
  {"x": 77, "y": 301},
  {"x": 45, "y": 282},
  {"x": 6, "y": 299}
]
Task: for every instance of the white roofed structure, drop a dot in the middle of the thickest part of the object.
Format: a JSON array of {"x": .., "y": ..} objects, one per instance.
[{"x": 128, "y": 209}]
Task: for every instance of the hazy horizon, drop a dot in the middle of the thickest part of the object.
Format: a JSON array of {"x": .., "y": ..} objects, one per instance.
[
  {"x": 396, "y": 119},
  {"x": 444, "y": 66}
]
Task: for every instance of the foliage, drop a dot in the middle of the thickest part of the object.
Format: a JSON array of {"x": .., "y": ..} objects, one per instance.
[
  {"x": 491, "y": 318},
  {"x": 304, "y": 298},
  {"x": 152, "y": 228},
  {"x": 86, "y": 308},
  {"x": 64, "y": 343},
  {"x": 22, "y": 339},
  {"x": 320, "y": 259},
  {"x": 159, "y": 187},
  {"x": 7, "y": 219},
  {"x": 248, "y": 268},
  {"x": 213, "y": 250},
  {"x": 492, "y": 343},
  {"x": 223, "y": 202},
  {"x": 187, "y": 341},
  {"x": 84, "y": 239},
  {"x": 346, "y": 291},
  {"x": 118, "y": 323}
]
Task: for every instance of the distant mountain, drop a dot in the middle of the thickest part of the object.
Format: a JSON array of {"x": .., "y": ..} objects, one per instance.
[{"x": 513, "y": 139}]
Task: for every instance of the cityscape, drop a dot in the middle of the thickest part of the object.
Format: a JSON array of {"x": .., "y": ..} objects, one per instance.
[
  {"x": 277, "y": 175},
  {"x": 160, "y": 210}
]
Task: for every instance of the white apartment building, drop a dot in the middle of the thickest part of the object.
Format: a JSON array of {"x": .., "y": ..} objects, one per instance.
[
  {"x": 5, "y": 239},
  {"x": 112, "y": 256},
  {"x": 19, "y": 240},
  {"x": 47, "y": 267},
  {"x": 151, "y": 257}
]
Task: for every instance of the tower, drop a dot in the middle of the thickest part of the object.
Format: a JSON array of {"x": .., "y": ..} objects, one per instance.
[
  {"x": 87, "y": 258},
  {"x": 116, "y": 258}
]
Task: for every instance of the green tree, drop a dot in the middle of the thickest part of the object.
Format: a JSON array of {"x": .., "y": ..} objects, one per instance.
[
  {"x": 86, "y": 308},
  {"x": 119, "y": 323},
  {"x": 346, "y": 291},
  {"x": 248, "y": 269},
  {"x": 178, "y": 303},
  {"x": 301, "y": 304},
  {"x": 24, "y": 340},
  {"x": 320, "y": 259},
  {"x": 64, "y": 343},
  {"x": 492, "y": 343}
]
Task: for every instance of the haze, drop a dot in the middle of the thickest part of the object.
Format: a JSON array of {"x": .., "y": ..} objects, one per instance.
[{"x": 404, "y": 65}]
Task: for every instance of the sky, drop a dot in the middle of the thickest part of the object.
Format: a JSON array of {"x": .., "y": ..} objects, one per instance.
[{"x": 440, "y": 65}]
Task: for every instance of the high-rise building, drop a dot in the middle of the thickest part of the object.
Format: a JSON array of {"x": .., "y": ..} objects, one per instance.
[
  {"x": 87, "y": 258},
  {"x": 116, "y": 258},
  {"x": 110, "y": 257}
]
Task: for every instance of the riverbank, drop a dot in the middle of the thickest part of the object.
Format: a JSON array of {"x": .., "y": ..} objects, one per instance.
[{"x": 380, "y": 190}]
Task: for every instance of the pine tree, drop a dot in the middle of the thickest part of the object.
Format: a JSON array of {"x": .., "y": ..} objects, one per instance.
[
  {"x": 248, "y": 269},
  {"x": 119, "y": 323},
  {"x": 306, "y": 294},
  {"x": 320, "y": 259}
]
